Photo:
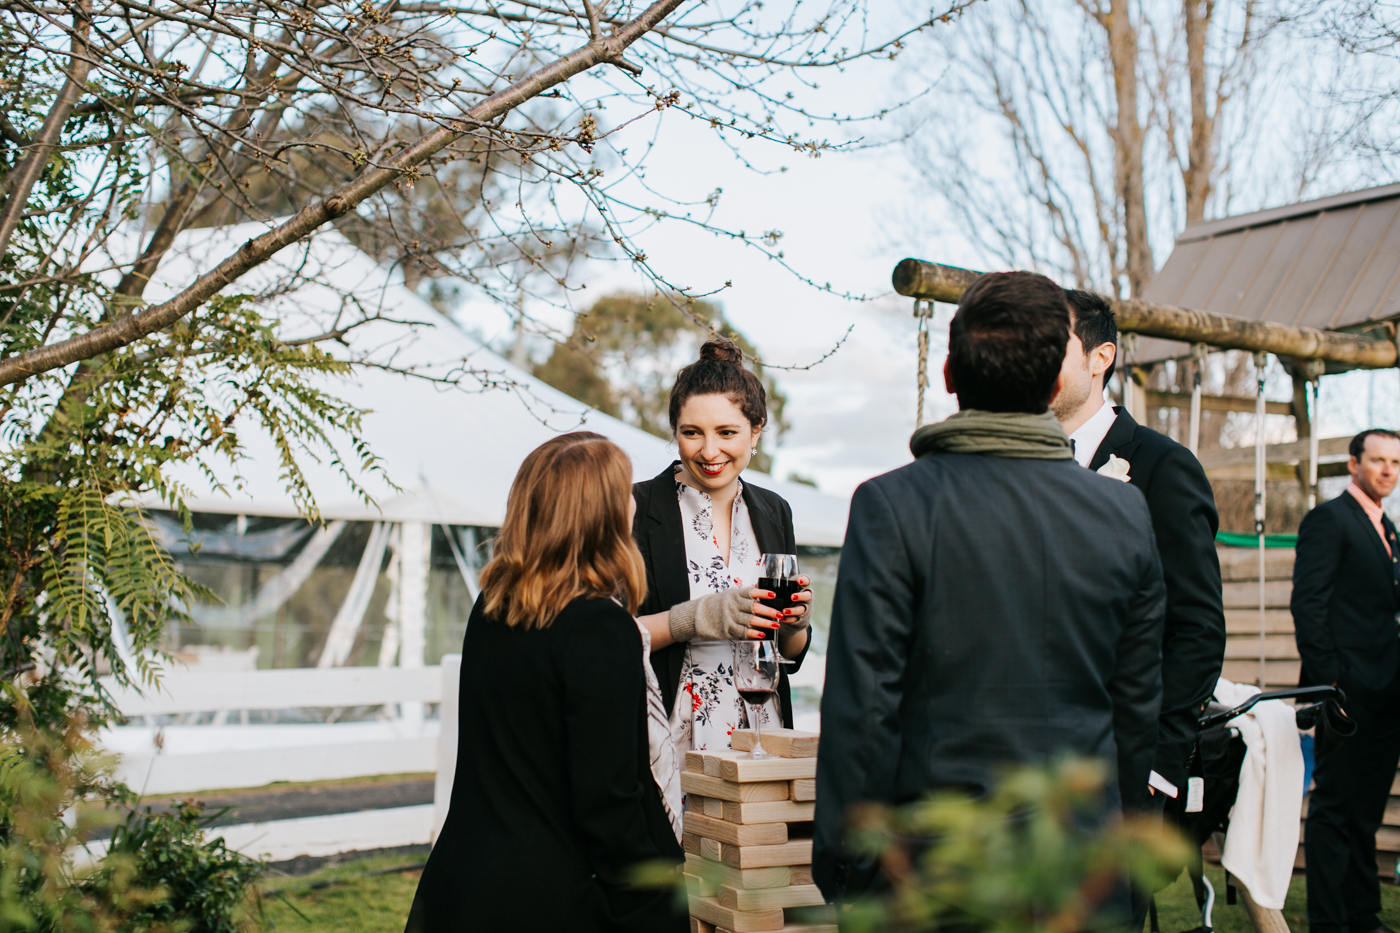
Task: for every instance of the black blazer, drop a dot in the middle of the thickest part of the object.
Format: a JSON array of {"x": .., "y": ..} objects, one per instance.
[
  {"x": 1346, "y": 594},
  {"x": 658, "y": 532},
  {"x": 553, "y": 802},
  {"x": 1184, "y": 522},
  {"x": 988, "y": 610}
]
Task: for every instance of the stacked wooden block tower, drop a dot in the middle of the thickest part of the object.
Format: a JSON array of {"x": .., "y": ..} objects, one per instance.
[{"x": 748, "y": 835}]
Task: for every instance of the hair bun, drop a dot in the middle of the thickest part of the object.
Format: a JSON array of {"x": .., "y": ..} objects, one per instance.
[{"x": 723, "y": 350}]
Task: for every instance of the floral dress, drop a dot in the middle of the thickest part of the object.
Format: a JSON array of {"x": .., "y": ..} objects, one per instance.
[{"x": 708, "y": 707}]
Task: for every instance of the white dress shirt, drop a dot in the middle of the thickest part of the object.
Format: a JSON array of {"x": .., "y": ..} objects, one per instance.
[{"x": 1091, "y": 434}]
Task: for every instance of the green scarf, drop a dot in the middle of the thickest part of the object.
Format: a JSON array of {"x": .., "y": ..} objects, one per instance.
[{"x": 995, "y": 434}]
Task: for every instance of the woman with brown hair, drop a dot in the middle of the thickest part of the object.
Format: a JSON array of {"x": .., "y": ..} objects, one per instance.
[
  {"x": 563, "y": 749},
  {"x": 702, "y": 530}
]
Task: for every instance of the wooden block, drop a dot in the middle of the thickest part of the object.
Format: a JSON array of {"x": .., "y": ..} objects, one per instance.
[
  {"x": 707, "y": 786},
  {"x": 793, "y": 853},
  {"x": 710, "y": 806},
  {"x": 715, "y": 759},
  {"x": 808, "y": 895},
  {"x": 801, "y": 874},
  {"x": 690, "y": 843},
  {"x": 775, "y": 811},
  {"x": 710, "y": 910},
  {"x": 785, "y": 743},
  {"x": 804, "y": 789},
  {"x": 700, "y": 926},
  {"x": 777, "y": 877},
  {"x": 735, "y": 834},
  {"x": 695, "y": 762},
  {"x": 711, "y": 849},
  {"x": 697, "y": 886},
  {"x": 745, "y": 770}
]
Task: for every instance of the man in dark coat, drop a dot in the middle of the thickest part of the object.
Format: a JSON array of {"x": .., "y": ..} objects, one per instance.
[
  {"x": 1346, "y": 603},
  {"x": 995, "y": 604},
  {"x": 1184, "y": 523}
]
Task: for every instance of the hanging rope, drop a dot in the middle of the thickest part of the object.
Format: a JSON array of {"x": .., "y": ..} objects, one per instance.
[{"x": 923, "y": 310}]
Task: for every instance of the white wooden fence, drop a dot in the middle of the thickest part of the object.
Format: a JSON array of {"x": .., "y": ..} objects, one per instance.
[{"x": 178, "y": 757}]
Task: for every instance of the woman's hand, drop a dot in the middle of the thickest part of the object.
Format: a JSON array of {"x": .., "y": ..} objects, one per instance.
[
  {"x": 793, "y": 634},
  {"x": 799, "y": 617},
  {"x": 728, "y": 616}
]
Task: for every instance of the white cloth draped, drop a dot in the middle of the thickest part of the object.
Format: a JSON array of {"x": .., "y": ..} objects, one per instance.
[{"x": 1263, "y": 838}]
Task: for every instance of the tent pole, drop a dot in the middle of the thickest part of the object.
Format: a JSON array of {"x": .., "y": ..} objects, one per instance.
[
  {"x": 415, "y": 541},
  {"x": 1259, "y": 477}
]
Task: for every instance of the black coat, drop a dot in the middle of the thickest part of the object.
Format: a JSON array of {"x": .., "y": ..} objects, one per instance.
[
  {"x": 988, "y": 611},
  {"x": 1184, "y": 522},
  {"x": 1346, "y": 594},
  {"x": 658, "y": 532},
  {"x": 553, "y": 802}
]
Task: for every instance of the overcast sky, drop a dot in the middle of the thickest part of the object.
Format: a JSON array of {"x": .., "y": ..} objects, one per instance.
[{"x": 845, "y": 220}]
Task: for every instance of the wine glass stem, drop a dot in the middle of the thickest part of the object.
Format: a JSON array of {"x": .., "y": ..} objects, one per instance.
[{"x": 757, "y": 735}]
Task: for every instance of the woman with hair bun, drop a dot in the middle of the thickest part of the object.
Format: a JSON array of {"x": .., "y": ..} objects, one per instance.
[{"x": 701, "y": 531}]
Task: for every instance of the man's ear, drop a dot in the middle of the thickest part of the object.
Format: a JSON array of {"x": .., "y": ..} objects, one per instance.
[
  {"x": 1353, "y": 465},
  {"x": 1102, "y": 357},
  {"x": 948, "y": 377},
  {"x": 1059, "y": 384}
]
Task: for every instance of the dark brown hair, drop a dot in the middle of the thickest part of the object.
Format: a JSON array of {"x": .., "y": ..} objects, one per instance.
[
  {"x": 1357, "y": 447},
  {"x": 1094, "y": 323},
  {"x": 1007, "y": 342},
  {"x": 720, "y": 371},
  {"x": 566, "y": 533}
]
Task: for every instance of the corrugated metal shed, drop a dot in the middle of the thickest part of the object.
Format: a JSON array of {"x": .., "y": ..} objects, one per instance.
[{"x": 1332, "y": 264}]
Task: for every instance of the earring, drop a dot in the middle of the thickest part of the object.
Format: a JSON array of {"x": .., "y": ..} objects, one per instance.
[{"x": 753, "y": 452}]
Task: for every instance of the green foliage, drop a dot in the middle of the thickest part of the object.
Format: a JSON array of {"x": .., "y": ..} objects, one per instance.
[
  {"x": 158, "y": 873},
  {"x": 204, "y": 886},
  {"x": 624, "y": 352},
  {"x": 1038, "y": 854},
  {"x": 78, "y": 561}
]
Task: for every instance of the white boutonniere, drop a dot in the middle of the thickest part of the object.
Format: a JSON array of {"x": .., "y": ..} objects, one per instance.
[{"x": 1115, "y": 468}]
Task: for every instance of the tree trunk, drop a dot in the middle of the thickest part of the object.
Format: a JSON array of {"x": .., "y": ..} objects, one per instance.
[
  {"x": 1200, "y": 168},
  {"x": 1127, "y": 135}
]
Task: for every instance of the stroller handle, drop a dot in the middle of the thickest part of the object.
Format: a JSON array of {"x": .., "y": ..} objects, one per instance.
[{"x": 1316, "y": 694}]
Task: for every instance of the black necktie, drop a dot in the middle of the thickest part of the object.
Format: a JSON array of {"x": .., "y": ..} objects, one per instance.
[{"x": 1389, "y": 528}]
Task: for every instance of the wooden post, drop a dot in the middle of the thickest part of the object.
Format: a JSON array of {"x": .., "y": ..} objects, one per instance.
[{"x": 447, "y": 740}]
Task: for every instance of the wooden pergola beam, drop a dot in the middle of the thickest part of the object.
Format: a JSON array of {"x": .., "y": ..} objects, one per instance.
[{"x": 915, "y": 278}]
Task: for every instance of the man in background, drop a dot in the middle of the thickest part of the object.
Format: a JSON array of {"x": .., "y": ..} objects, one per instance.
[
  {"x": 996, "y": 604},
  {"x": 1184, "y": 523},
  {"x": 1346, "y": 596}
]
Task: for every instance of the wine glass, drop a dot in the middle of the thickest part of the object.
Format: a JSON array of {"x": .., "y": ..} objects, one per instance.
[
  {"x": 756, "y": 679},
  {"x": 780, "y": 577}
]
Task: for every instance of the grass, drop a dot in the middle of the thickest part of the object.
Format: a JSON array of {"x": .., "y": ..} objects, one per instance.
[
  {"x": 345, "y": 898},
  {"x": 1176, "y": 907}
]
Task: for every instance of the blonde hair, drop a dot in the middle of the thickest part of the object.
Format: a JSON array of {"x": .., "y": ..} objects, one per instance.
[{"x": 566, "y": 534}]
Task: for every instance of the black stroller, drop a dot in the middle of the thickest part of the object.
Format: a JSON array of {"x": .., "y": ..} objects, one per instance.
[{"x": 1217, "y": 758}]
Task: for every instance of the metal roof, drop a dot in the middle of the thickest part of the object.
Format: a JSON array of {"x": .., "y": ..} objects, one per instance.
[{"x": 1333, "y": 264}]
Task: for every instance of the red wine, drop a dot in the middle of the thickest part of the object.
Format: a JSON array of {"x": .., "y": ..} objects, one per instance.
[
  {"x": 755, "y": 697},
  {"x": 786, "y": 590}
]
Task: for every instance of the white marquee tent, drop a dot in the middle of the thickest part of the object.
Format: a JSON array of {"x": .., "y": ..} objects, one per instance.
[{"x": 452, "y": 452}]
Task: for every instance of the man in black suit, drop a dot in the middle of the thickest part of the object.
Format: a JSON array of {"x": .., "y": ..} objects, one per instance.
[
  {"x": 1346, "y": 603},
  {"x": 995, "y": 603},
  {"x": 1184, "y": 522}
]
